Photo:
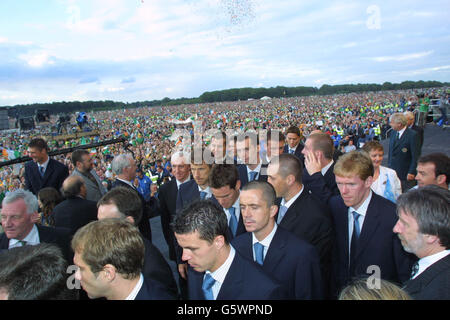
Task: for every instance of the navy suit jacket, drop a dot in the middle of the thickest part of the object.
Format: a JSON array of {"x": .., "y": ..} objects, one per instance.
[
  {"x": 144, "y": 225},
  {"x": 74, "y": 213},
  {"x": 291, "y": 261},
  {"x": 323, "y": 187},
  {"x": 433, "y": 283},
  {"x": 167, "y": 196},
  {"x": 310, "y": 220},
  {"x": 245, "y": 280},
  {"x": 403, "y": 153},
  {"x": 243, "y": 176},
  {"x": 152, "y": 290},
  {"x": 54, "y": 176},
  {"x": 298, "y": 152},
  {"x": 377, "y": 245},
  {"x": 58, "y": 236}
]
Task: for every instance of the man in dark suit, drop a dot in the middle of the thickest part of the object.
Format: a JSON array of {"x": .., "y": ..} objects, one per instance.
[
  {"x": 224, "y": 183},
  {"x": 419, "y": 130},
  {"x": 167, "y": 195},
  {"x": 300, "y": 212},
  {"x": 274, "y": 145},
  {"x": 218, "y": 148},
  {"x": 109, "y": 254},
  {"x": 124, "y": 166},
  {"x": 123, "y": 203},
  {"x": 191, "y": 191},
  {"x": 363, "y": 225},
  {"x": 294, "y": 145},
  {"x": 433, "y": 168},
  {"x": 248, "y": 151},
  {"x": 75, "y": 211},
  {"x": 423, "y": 227},
  {"x": 19, "y": 210},
  {"x": 42, "y": 171},
  {"x": 403, "y": 151},
  {"x": 291, "y": 261},
  {"x": 201, "y": 231},
  {"x": 318, "y": 174}
]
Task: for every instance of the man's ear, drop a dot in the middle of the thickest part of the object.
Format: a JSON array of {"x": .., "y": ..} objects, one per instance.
[
  {"x": 110, "y": 272},
  {"x": 441, "y": 179},
  {"x": 130, "y": 219}
]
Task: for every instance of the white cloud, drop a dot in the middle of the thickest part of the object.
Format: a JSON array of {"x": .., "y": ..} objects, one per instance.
[
  {"x": 402, "y": 57},
  {"x": 36, "y": 59}
]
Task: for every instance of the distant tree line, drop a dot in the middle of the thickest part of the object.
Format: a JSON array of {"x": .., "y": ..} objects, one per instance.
[{"x": 221, "y": 95}]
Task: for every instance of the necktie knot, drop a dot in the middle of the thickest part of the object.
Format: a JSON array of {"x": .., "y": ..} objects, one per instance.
[
  {"x": 415, "y": 269},
  {"x": 208, "y": 282},
  {"x": 203, "y": 195},
  {"x": 41, "y": 171},
  {"x": 291, "y": 151},
  {"x": 259, "y": 253},
  {"x": 23, "y": 242}
]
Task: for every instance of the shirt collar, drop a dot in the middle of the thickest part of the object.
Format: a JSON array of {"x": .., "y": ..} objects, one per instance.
[
  {"x": 181, "y": 182},
  {"x": 292, "y": 200},
  {"x": 45, "y": 164},
  {"x": 400, "y": 133},
  {"x": 32, "y": 239},
  {"x": 136, "y": 289},
  {"x": 362, "y": 210},
  {"x": 220, "y": 274},
  {"x": 127, "y": 182},
  {"x": 425, "y": 262},
  {"x": 267, "y": 240},
  {"x": 257, "y": 169},
  {"x": 325, "y": 169}
]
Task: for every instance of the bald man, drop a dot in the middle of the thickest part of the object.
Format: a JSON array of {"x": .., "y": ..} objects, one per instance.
[{"x": 75, "y": 211}]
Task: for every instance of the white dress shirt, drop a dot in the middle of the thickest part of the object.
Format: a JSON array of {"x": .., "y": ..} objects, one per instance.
[
  {"x": 136, "y": 289},
  {"x": 325, "y": 169},
  {"x": 32, "y": 239},
  {"x": 426, "y": 262},
  {"x": 292, "y": 200},
  {"x": 257, "y": 169},
  {"x": 237, "y": 211},
  {"x": 220, "y": 274},
  {"x": 207, "y": 190},
  {"x": 265, "y": 242},
  {"x": 362, "y": 210}
]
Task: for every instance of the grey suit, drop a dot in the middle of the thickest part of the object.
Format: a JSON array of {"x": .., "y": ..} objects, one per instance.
[{"x": 94, "y": 190}]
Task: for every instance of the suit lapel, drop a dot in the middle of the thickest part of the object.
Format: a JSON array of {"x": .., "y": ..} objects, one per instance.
[
  {"x": 48, "y": 171},
  {"x": 275, "y": 253},
  {"x": 370, "y": 225},
  {"x": 233, "y": 281},
  {"x": 294, "y": 210}
]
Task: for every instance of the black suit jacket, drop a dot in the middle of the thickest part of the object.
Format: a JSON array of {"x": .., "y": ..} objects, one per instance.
[
  {"x": 59, "y": 236},
  {"x": 144, "y": 225},
  {"x": 291, "y": 261},
  {"x": 240, "y": 228},
  {"x": 157, "y": 269},
  {"x": 245, "y": 280},
  {"x": 323, "y": 187},
  {"x": 298, "y": 152},
  {"x": 243, "y": 176},
  {"x": 54, "y": 176},
  {"x": 420, "y": 137},
  {"x": 167, "y": 196},
  {"x": 152, "y": 290},
  {"x": 433, "y": 283},
  {"x": 403, "y": 153},
  {"x": 73, "y": 213},
  {"x": 310, "y": 220},
  {"x": 377, "y": 245}
]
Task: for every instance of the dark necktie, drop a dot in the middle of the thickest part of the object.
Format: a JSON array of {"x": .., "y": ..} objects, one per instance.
[
  {"x": 91, "y": 177},
  {"x": 208, "y": 282},
  {"x": 291, "y": 151},
  {"x": 253, "y": 175},
  {"x": 259, "y": 253},
  {"x": 203, "y": 195},
  {"x": 23, "y": 243},
  {"x": 354, "y": 242},
  {"x": 41, "y": 171},
  {"x": 415, "y": 269},
  {"x": 233, "y": 221}
]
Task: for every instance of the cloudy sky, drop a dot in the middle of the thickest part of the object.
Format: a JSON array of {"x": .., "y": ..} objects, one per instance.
[{"x": 135, "y": 50}]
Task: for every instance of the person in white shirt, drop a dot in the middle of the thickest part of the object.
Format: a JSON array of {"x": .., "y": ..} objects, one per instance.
[
  {"x": 423, "y": 227},
  {"x": 109, "y": 254},
  {"x": 385, "y": 181}
]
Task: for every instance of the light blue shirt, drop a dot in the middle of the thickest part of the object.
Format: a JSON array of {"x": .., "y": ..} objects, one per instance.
[
  {"x": 362, "y": 210},
  {"x": 265, "y": 242},
  {"x": 32, "y": 239}
]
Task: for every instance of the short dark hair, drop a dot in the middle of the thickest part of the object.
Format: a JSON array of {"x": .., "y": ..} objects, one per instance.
[
  {"x": 441, "y": 164},
  {"x": 38, "y": 143},
  {"x": 126, "y": 200},
  {"x": 203, "y": 216},
  {"x": 269, "y": 194},
  {"x": 293, "y": 129},
  {"x": 323, "y": 142},
  {"x": 222, "y": 175},
  {"x": 289, "y": 164},
  {"x": 77, "y": 156},
  {"x": 429, "y": 207},
  {"x": 35, "y": 273}
]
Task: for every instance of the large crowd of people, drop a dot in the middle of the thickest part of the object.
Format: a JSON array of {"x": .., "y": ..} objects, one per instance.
[{"x": 312, "y": 189}]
